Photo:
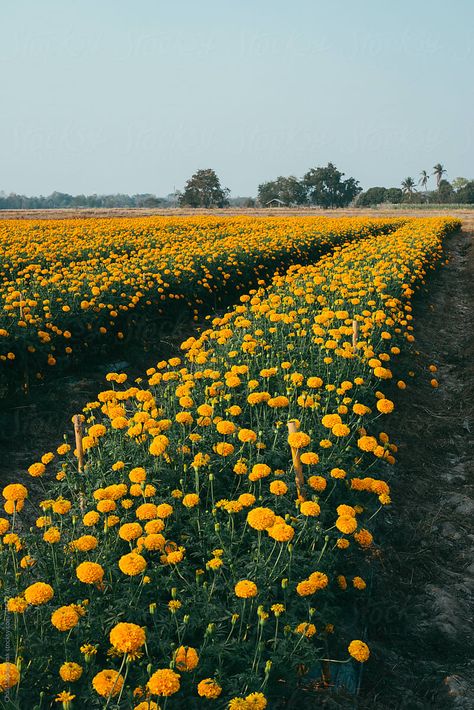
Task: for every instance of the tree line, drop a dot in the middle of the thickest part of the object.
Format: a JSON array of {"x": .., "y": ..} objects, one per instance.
[{"x": 321, "y": 186}]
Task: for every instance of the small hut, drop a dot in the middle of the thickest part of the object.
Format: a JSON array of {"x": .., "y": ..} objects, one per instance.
[{"x": 275, "y": 202}]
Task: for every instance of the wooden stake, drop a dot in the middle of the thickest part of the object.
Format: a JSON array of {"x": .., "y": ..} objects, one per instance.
[
  {"x": 295, "y": 454},
  {"x": 355, "y": 335},
  {"x": 77, "y": 421}
]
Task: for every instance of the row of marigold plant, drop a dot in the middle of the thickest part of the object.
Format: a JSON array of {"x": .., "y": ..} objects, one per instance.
[
  {"x": 70, "y": 287},
  {"x": 178, "y": 561}
]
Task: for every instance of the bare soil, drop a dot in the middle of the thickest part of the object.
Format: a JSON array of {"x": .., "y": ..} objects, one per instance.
[{"x": 420, "y": 616}]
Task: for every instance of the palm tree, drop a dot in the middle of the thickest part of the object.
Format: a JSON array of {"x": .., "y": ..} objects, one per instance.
[
  {"x": 408, "y": 186},
  {"x": 423, "y": 181},
  {"x": 439, "y": 170}
]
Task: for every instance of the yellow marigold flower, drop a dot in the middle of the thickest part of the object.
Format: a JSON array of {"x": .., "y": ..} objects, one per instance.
[
  {"x": 164, "y": 510},
  {"x": 314, "y": 382},
  {"x": 281, "y": 532},
  {"x": 317, "y": 483},
  {"x": 15, "y": 492},
  {"x": 259, "y": 470},
  {"x": 61, "y": 506},
  {"x": 154, "y": 526},
  {"x": 9, "y": 675},
  {"x": 261, "y": 518},
  {"x": 126, "y": 637},
  {"x": 359, "y": 650},
  {"x": 106, "y": 506},
  {"x": 309, "y": 458},
  {"x": 434, "y": 383},
  {"x": 147, "y": 705},
  {"x": 346, "y": 524},
  {"x": 385, "y": 406},
  {"x": 240, "y": 468},
  {"x": 91, "y": 518},
  {"x": 146, "y": 511},
  {"x": 278, "y": 488},
  {"x": 345, "y": 510},
  {"x": 132, "y": 564},
  {"x": 310, "y": 508},
  {"x": 325, "y": 444},
  {"x": 64, "y": 618},
  {"x": 364, "y": 538},
  {"x": 130, "y": 531},
  {"x": 277, "y": 609},
  {"x": 17, "y": 605},
  {"x": 298, "y": 440},
  {"x": 90, "y": 572},
  {"x": 186, "y": 658},
  {"x": 247, "y": 435},
  {"x": 70, "y": 672},
  {"x": 38, "y": 593},
  {"x": 159, "y": 445},
  {"x": 108, "y": 683},
  {"x": 330, "y": 420},
  {"x": 245, "y": 589},
  {"x": 359, "y": 583},
  {"x": 52, "y": 535},
  {"x": 338, "y": 473},
  {"x": 224, "y": 427},
  {"x": 306, "y": 629},
  {"x": 340, "y": 430},
  {"x": 246, "y": 499},
  {"x": 36, "y": 469},
  {"x": 190, "y": 500},
  {"x": 164, "y": 682},
  {"x": 137, "y": 474},
  {"x": 4, "y": 525},
  {"x": 209, "y": 688},
  {"x": 367, "y": 443},
  {"x": 223, "y": 448}
]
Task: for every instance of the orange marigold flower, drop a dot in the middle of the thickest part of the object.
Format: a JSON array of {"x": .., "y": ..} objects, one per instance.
[
  {"x": 164, "y": 682},
  {"x": 359, "y": 650},
  {"x": 186, "y": 658},
  {"x": 210, "y": 689},
  {"x": 108, "y": 683},
  {"x": 39, "y": 593},
  {"x": 90, "y": 572},
  {"x": 132, "y": 564},
  {"x": 126, "y": 637},
  {"x": 261, "y": 518},
  {"x": 64, "y": 618},
  {"x": 245, "y": 589}
]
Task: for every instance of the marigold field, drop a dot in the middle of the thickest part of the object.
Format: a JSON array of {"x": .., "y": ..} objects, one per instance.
[{"x": 207, "y": 543}]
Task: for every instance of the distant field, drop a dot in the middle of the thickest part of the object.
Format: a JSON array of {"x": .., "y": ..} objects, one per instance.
[{"x": 464, "y": 214}]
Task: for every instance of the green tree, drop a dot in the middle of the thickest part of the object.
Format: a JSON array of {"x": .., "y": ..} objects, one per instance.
[
  {"x": 408, "y": 187},
  {"x": 423, "y": 181},
  {"x": 289, "y": 190},
  {"x": 465, "y": 194},
  {"x": 445, "y": 191},
  {"x": 203, "y": 189},
  {"x": 372, "y": 196},
  {"x": 394, "y": 195},
  {"x": 438, "y": 171},
  {"x": 326, "y": 188},
  {"x": 459, "y": 183}
]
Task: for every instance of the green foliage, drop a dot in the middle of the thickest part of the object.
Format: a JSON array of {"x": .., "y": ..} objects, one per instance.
[
  {"x": 204, "y": 189},
  {"x": 326, "y": 188},
  {"x": 289, "y": 190}
]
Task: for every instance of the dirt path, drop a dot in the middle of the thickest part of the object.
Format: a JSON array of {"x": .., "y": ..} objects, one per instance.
[{"x": 420, "y": 621}]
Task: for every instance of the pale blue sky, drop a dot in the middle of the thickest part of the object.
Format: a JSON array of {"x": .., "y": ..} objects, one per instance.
[{"x": 133, "y": 96}]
